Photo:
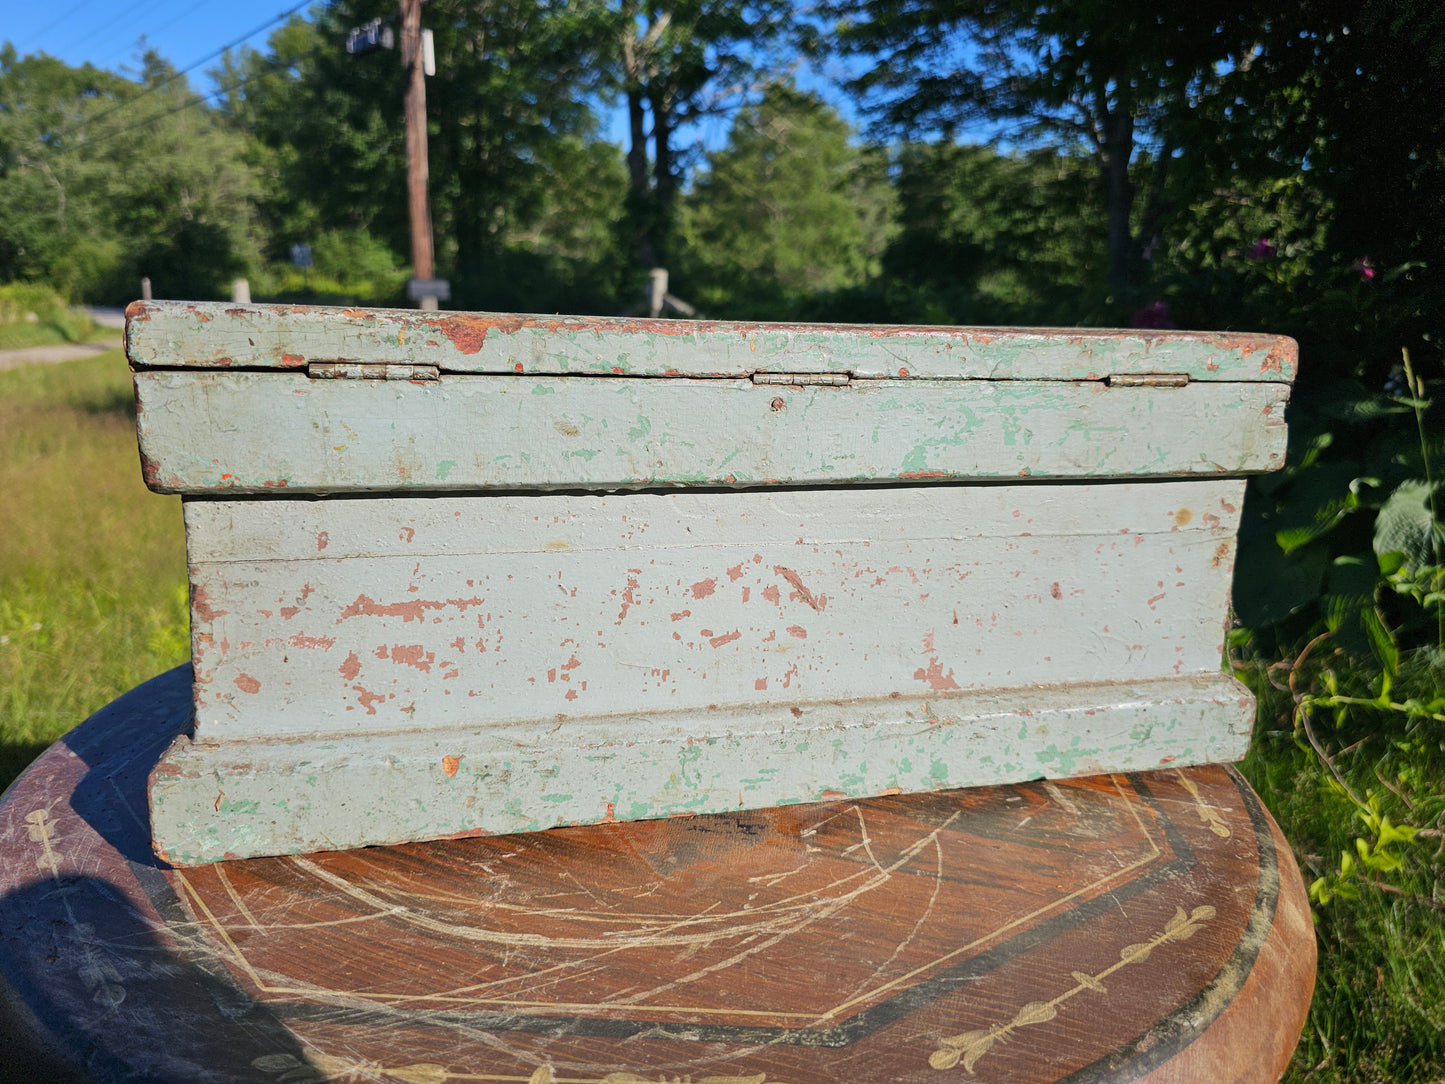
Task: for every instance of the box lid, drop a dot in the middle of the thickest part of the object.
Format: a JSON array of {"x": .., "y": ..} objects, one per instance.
[
  {"x": 197, "y": 335},
  {"x": 255, "y": 399}
]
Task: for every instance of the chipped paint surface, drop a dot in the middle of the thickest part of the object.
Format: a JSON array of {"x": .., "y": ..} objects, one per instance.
[
  {"x": 483, "y": 628},
  {"x": 250, "y": 432},
  {"x": 687, "y": 652},
  {"x": 434, "y": 612},
  {"x": 310, "y": 794},
  {"x": 169, "y": 334}
]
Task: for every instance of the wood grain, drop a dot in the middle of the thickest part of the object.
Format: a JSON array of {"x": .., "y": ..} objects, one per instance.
[
  {"x": 460, "y": 573},
  {"x": 1099, "y": 929}
]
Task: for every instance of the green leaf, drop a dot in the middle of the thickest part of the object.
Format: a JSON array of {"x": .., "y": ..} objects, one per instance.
[
  {"x": 1349, "y": 594},
  {"x": 1270, "y": 585},
  {"x": 1405, "y": 525},
  {"x": 1317, "y": 500},
  {"x": 1381, "y": 642},
  {"x": 1390, "y": 562},
  {"x": 1350, "y": 401}
]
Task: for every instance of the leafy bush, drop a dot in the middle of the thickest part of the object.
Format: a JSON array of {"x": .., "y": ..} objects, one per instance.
[
  {"x": 1346, "y": 548},
  {"x": 31, "y": 305},
  {"x": 348, "y": 267}
]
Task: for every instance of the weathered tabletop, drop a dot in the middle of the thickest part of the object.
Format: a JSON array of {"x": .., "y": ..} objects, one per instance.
[{"x": 1111, "y": 928}]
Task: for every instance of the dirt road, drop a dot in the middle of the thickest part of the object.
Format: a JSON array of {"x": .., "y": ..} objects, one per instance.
[{"x": 35, "y": 355}]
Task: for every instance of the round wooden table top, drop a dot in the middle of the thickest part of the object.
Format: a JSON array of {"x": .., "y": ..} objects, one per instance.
[{"x": 1143, "y": 927}]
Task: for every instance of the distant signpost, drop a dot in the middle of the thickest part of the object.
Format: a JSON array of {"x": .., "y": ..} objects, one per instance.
[
  {"x": 301, "y": 257},
  {"x": 440, "y": 289}
]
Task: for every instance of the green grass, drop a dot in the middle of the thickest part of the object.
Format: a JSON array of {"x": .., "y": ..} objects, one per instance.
[
  {"x": 35, "y": 315},
  {"x": 92, "y": 565},
  {"x": 1379, "y": 1005},
  {"x": 26, "y": 336}
]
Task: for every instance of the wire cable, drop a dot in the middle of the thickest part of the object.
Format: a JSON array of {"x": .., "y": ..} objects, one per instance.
[
  {"x": 94, "y": 30},
  {"x": 273, "y": 66},
  {"x": 152, "y": 88},
  {"x": 170, "y": 23},
  {"x": 48, "y": 27}
]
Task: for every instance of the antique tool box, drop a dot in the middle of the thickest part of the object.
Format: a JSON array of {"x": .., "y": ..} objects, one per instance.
[{"x": 465, "y": 573}]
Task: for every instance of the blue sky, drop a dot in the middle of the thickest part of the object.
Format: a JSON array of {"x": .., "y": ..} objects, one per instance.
[{"x": 113, "y": 34}]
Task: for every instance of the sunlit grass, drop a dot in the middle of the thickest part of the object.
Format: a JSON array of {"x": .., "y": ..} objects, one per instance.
[
  {"x": 1378, "y": 1012},
  {"x": 92, "y": 565}
]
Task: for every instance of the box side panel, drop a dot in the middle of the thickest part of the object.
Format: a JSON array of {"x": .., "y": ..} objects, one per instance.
[
  {"x": 218, "y": 335},
  {"x": 259, "y": 432},
  {"x": 352, "y": 616},
  {"x": 279, "y": 797}
]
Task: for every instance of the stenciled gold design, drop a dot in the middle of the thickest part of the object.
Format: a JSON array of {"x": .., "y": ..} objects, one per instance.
[
  {"x": 787, "y": 915},
  {"x": 42, "y": 831},
  {"x": 317, "y": 1067},
  {"x": 1207, "y": 813},
  {"x": 970, "y": 1046}
]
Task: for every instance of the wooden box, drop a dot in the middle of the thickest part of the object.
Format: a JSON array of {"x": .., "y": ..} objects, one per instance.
[{"x": 467, "y": 573}]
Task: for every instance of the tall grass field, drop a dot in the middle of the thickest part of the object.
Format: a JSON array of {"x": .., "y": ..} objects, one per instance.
[
  {"x": 93, "y": 601},
  {"x": 92, "y": 564}
]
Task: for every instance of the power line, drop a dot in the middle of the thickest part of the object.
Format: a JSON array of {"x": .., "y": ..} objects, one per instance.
[
  {"x": 172, "y": 22},
  {"x": 48, "y": 27},
  {"x": 200, "y": 99},
  {"x": 152, "y": 88},
  {"x": 94, "y": 30}
]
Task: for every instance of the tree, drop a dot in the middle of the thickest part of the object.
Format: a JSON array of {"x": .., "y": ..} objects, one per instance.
[
  {"x": 507, "y": 116},
  {"x": 788, "y": 207},
  {"x": 1112, "y": 79},
  {"x": 108, "y": 179},
  {"x": 994, "y": 238},
  {"x": 43, "y": 204},
  {"x": 676, "y": 60}
]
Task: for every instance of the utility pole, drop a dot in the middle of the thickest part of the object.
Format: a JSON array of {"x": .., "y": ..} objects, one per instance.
[
  {"x": 423, "y": 288},
  {"x": 418, "y": 60}
]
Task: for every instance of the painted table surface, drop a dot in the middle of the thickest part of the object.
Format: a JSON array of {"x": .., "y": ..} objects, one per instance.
[{"x": 1141, "y": 927}]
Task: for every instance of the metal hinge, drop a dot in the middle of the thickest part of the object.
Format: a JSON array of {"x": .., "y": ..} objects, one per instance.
[
  {"x": 831, "y": 380},
  {"x": 1147, "y": 380},
  {"x": 356, "y": 370}
]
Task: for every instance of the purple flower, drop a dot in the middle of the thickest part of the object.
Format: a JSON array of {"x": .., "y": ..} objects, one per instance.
[
  {"x": 1366, "y": 269},
  {"x": 1153, "y": 316},
  {"x": 1262, "y": 249}
]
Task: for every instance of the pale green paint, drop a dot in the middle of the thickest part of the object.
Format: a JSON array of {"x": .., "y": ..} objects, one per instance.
[
  {"x": 877, "y": 745},
  {"x": 938, "y": 404},
  {"x": 340, "y": 436},
  {"x": 161, "y": 334}
]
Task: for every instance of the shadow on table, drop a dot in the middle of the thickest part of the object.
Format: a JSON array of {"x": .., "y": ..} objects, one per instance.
[
  {"x": 93, "y": 985},
  {"x": 120, "y": 745},
  {"x": 90, "y": 976},
  {"x": 15, "y": 757}
]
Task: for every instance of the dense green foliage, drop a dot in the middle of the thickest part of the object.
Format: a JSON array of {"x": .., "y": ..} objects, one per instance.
[
  {"x": 35, "y": 315},
  {"x": 788, "y": 209},
  {"x": 91, "y": 199},
  {"x": 1271, "y": 165}
]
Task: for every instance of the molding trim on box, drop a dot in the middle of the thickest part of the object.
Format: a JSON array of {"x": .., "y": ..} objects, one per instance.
[{"x": 326, "y": 792}]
